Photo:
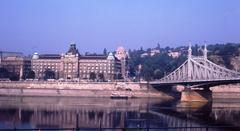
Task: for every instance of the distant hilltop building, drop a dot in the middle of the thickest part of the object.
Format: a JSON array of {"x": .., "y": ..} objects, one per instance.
[
  {"x": 144, "y": 54},
  {"x": 174, "y": 54},
  {"x": 72, "y": 65},
  {"x": 152, "y": 52}
]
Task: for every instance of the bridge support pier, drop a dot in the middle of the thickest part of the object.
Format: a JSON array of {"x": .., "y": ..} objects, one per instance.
[{"x": 188, "y": 95}]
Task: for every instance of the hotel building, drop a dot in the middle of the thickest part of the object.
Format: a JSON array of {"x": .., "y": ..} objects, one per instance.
[{"x": 72, "y": 65}]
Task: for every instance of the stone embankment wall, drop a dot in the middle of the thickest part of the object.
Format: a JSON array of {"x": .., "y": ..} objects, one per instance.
[
  {"x": 74, "y": 85},
  {"x": 226, "y": 91},
  {"x": 91, "y": 89}
]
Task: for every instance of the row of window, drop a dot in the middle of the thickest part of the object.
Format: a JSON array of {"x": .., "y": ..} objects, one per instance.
[
  {"x": 46, "y": 63},
  {"x": 95, "y": 61},
  {"x": 41, "y": 68},
  {"x": 95, "y": 64},
  {"x": 41, "y": 71},
  {"x": 93, "y": 68},
  {"x": 71, "y": 64},
  {"x": 45, "y": 67},
  {"x": 69, "y": 71},
  {"x": 99, "y": 71},
  {"x": 69, "y": 67}
]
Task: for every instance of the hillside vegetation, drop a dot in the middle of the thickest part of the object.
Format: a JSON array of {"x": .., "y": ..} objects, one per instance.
[{"x": 149, "y": 67}]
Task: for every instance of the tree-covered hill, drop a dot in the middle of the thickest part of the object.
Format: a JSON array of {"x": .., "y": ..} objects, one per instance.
[{"x": 150, "y": 65}]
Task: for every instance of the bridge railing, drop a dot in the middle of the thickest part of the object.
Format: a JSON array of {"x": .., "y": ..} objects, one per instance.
[{"x": 192, "y": 81}]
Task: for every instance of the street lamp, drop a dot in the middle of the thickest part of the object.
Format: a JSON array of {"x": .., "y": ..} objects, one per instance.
[{"x": 139, "y": 71}]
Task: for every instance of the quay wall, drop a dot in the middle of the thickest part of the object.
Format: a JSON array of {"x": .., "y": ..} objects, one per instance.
[
  {"x": 230, "y": 91},
  {"x": 76, "y": 89},
  {"x": 75, "y": 85}
]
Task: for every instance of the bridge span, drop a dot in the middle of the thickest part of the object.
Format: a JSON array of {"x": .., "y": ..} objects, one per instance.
[{"x": 198, "y": 71}]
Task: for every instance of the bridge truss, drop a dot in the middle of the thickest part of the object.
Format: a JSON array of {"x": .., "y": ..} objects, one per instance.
[{"x": 198, "y": 69}]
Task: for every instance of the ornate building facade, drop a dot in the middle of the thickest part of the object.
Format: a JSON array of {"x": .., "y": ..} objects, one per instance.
[{"x": 72, "y": 65}]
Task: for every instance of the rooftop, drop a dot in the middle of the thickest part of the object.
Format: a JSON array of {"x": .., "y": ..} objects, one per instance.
[
  {"x": 49, "y": 56},
  {"x": 93, "y": 57},
  {"x": 73, "y": 50}
]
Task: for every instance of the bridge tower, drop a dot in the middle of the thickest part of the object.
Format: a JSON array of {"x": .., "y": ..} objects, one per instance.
[
  {"x": 205, "y": 52},
  {"x": 205, "y": 60},
  {"x": 189, "y": 66}
]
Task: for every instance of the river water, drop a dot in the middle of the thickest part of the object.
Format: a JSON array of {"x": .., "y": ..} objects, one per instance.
[{"x": 66, "y": 112}]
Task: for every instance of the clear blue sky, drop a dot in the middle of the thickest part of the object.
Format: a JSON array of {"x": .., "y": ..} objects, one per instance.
[{"x": 48, "y": 26}]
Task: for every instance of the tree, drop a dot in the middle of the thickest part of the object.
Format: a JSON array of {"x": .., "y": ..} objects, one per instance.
[
  {"x": 146, "y": 72},
  {"x": 162, "y": 64},
  {"x": 132, "y": 71},
  {"x": 30, "y": 75},
  {"x": 105, "y": 51},
  {"x": 158, "y": 46},
  {"x": 118, "y": 76},
  {"x": 92, "y": 76},
  {"x": 49, "y": 74},
  {"x": 101, "y": 77},
  {"x": 14, "y": 77},
  {"x": 158, "y": 74},
  {"x": 4, "y": 73}
]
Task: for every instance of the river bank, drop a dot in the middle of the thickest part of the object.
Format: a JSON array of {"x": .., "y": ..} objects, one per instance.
[
  {"x": 230, "y": 91},
  {"x": 76, "y": 89}
]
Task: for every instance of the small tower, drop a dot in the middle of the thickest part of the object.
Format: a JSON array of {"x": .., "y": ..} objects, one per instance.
[
  {"x": 205, "y": 59},
  {"x": 122, "y": 55},
  {"x": 72, "y": 50},
  {"x": 110, "y": 56},
  {"x": 189, "y": 51},
  {"x": 189, "y": 65},
  {"x": 205, "y": 51}
]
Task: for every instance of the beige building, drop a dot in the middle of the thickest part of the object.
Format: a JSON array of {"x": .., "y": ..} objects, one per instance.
[
  {"x": 72, "y": 65},
  {"x": 17, "y": 65},
  {"x": 154, "y": 52},
  {"x": 104, "y": 66},
  {"x": 174, "y": 54},
  {"x": 42, "y": 63}
]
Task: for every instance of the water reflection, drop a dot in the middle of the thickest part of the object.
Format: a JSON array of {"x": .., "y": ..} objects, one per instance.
[{"x": 56, "y": 112}]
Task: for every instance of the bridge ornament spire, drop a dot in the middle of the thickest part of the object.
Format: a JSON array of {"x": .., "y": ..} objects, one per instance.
[
  {"x": 189, "y": 65},
  {"x": 190, "y": 51},
  {"x": 205, "y": 51},
  {"x": 205, "y": 59},
  {"x": 199, "y": 69}
]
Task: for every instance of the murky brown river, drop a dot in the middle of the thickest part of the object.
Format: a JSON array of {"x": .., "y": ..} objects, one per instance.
[{"x": 153, "y": 114}]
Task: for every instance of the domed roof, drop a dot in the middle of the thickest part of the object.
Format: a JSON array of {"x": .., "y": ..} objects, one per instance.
[
  {"x": 35, "y": 56},
  {"x": 110, "y": 56},
  {"x": 120, "y": 53},
  {"x": 120, "y": 49}
]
